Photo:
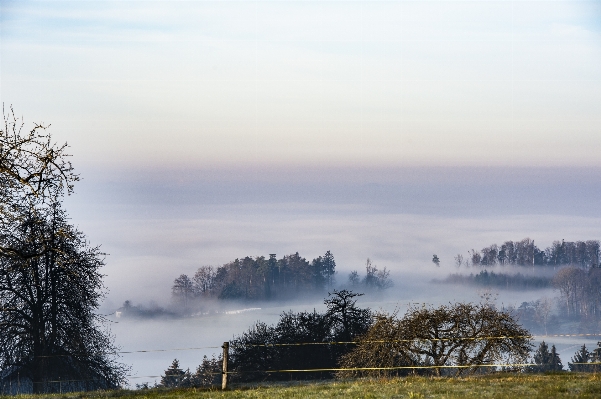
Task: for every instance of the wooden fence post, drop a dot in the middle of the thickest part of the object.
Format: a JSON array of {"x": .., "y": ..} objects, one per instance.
[{"x": 226, "y": 346}]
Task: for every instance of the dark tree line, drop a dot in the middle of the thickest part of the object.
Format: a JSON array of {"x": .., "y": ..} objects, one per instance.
[
  {"x": 265, "y": 347},
  {"x": 460, "y": 334},
  {"x": 141, "y": 311},
  {"x": 455, "y": 339},
  {"x": 584, "y": 254},
  {"x": 257, "y": 278},
  {"x": 583, "y": 361},
  {"x": 274, "y": 347},
  {"x": 586, "y": 362},
  {"x": 206, "y": 375},
  {"x": 579, "y": 291}
]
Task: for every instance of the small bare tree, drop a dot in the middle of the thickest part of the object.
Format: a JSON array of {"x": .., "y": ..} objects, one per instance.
[
  {"x": 458, "y": 260},
  {"x": 542, "y": 311}
]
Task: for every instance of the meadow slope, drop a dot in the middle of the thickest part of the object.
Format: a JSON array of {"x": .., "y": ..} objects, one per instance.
[{"x": 559, "y": 385}]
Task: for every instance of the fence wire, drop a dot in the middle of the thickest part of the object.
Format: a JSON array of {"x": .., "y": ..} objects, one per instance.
[{"x": 339, "y": 343}]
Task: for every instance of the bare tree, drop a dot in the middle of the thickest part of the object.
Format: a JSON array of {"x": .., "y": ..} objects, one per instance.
[
  {"x": 474, "y": 257},
  {"x": 458, "y": 260},
  {"x": 354, "y": 279},
  {"x": 489, "y": 255},
  {"x": 204, "y": 280},
  {"x": 183, "y": 291},
  {"x": 569, "y": 281},
  {"x": 542, "y": 311},
  {"x": 30, "y": 162},
  {"x": 462, "y": 334},
  {"x": 33, "y": 171},
  {"x": 376, "y": 278}
]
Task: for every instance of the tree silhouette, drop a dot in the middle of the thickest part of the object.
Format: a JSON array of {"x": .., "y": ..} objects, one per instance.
[
  {"x": 50, "y": 284},
  {"x": 48, "y": 325}
]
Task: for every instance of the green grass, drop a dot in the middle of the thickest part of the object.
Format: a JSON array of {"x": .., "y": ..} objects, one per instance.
[{"x": 559, "y": 385}]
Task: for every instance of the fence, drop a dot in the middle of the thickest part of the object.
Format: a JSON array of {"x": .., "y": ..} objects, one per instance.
[{"x": 59, "y": 386}]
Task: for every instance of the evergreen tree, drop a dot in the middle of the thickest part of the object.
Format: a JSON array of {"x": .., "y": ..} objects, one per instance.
[
  {"x": 175, "y": 377},
  {"x": 555, "y": 364},
  {"x": 582, "y": 356},
  {"x": 329, "y": 268},
  {"x": 545, "y": 360}
]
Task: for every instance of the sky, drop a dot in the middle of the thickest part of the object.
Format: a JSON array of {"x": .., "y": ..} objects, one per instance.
[{"x": 220, "y": 84}]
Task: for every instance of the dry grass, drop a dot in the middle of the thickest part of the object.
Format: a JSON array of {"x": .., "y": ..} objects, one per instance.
[{"x": 498, "y": 386}]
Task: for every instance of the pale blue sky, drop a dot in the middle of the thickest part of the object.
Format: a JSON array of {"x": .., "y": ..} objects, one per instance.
[{"x": 197, "y": 83}]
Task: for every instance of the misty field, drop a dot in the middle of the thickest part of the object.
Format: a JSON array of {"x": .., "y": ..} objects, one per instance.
[{"x": 558, "y": 385}]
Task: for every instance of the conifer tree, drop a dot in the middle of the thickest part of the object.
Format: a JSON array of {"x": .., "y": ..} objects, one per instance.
[
  {"x": 545, "y": 360},
  {"x": 174, "y": 376},
  {"x": 580, "y": 357}
]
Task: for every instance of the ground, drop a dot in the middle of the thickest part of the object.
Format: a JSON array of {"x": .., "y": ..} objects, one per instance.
[{"x": 559, "y": 385}]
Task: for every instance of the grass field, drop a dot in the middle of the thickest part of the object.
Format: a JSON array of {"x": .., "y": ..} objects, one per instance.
[{"x": 560, "y": 385}]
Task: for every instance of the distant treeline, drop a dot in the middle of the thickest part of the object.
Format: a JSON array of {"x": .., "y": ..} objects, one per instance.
[
  {"x": 525, "y": 253},
  {"x": 262, "y": 278},
  {"x": 580, "y": 292},
  {"x": 130, "y": 310},
  {"x": 500, "y": 280},
  {"x": 257, "y": 278}
]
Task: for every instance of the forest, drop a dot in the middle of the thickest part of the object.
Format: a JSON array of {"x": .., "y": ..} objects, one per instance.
[
  {"x": 265, "y": 279},
  {"x": 572, "y": 269},
  {"x": 525, "y": 253}
]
